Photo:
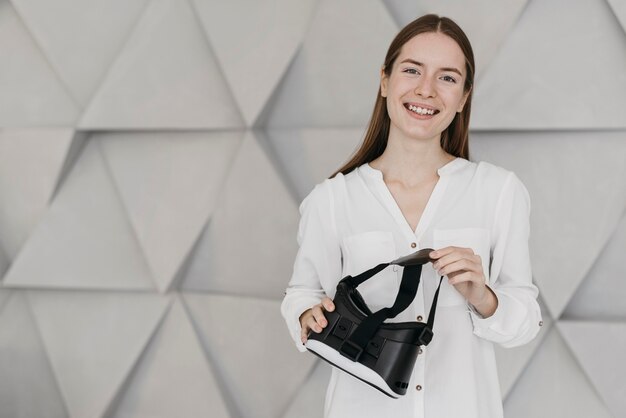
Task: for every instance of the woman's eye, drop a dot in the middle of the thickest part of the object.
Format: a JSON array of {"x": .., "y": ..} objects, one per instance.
[
  {"x": 411, "y": 71},
  {"x": 448, "y": 78}
]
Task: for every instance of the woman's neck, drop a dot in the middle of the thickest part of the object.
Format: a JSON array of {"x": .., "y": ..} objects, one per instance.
[{"x": 411, "y": 161}]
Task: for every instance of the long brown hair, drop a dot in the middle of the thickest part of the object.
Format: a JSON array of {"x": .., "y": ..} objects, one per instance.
[{"x": 454, "y": 139}]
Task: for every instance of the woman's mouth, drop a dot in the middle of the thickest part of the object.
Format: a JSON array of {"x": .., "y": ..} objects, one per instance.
[{"x": 420, "y": 112}]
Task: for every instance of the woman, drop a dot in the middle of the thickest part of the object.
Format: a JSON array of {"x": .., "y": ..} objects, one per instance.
[{"x": 411, "y": 186}]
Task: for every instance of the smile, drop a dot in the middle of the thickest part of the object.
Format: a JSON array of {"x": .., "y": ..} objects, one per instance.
[{"x": 422, "y": 111}]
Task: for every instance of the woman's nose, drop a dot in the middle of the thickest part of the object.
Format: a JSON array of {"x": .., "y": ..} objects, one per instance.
[{"x": 425, "y": 87}]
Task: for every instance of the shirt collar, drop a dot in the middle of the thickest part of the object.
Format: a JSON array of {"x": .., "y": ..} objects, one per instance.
[{"x": 448, "y": 168}]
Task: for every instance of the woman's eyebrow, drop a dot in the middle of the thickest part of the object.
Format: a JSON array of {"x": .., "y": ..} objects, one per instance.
[{"x": 452, "y": 69}]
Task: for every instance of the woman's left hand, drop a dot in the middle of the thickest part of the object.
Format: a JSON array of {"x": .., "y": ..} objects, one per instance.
[{"x": 465, "y": 272}]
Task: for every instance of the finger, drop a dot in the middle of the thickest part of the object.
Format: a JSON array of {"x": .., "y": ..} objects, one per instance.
[
  {"x": 467, "y": 276},
  {"x": 328, "y": 304},
  {"x": 459, "y": 263},
  {"x": 461, "y": 254},
  {"x": 320, "y": 319},
  {"x": 303, "y": 335},
  {"x": 441, "y": 252}
]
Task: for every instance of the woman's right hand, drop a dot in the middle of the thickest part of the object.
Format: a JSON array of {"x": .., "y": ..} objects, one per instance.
[{"x": 314, "y": 319}]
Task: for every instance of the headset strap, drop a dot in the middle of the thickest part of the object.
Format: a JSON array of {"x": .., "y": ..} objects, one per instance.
[{"x": 354, "y": 345}]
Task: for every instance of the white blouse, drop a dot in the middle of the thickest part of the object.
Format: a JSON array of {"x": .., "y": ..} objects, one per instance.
[{"x": 351, "y": 223}]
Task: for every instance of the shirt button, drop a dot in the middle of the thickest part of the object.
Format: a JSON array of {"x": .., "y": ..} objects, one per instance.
[
  {"x": 420, "y": 351},
  {"x": 418, "y": 387},
  {"x": 413, "y": 245},
  {"x": 419, "y": 318},
  {"x": 540, "y": 323}
]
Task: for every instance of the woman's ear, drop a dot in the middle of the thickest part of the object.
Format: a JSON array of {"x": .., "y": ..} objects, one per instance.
[{"x": 383, "y": 82}]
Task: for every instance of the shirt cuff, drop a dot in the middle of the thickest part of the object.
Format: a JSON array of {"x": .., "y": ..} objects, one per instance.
[{"x": 505, "y": 321}]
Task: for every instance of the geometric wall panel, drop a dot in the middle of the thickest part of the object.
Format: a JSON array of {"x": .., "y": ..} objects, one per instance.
[
  {"x": 512, "y": 362},
  {"x": 165, "y": 77},
  {"x": 485, "y": 39},
  {"x": 95, "y": 338},
  {"x": 147, "y": 232},
  {"x": 4, "y": 263},
  {"x": 172, "y": 378},
  {"x": 605, "y": 282},
  {"x": 309, "y": 401},
  {"x": 27, "y": 388},
  {"x": 577, "y": 184},
  {"x": 619, "y": 9},
  {"x": 553, "y": 385},
  {"x": 597, "y": 346},
  {"x": 308, "y": 156},
  {"x": 169, "y": 183},
  {"x": 31, "y": 161},
  {"x": 32, "y": 94},
  {"x": 247, "y": 247},
  {"x": 256, "y": 51},
  {"x": 267, "y": 350},
  {"x": 80, "y": 61},
  {"x": 333, "y": 79},
  {"x": 4, "y": 296},
  {"x": 84, "y": 239},
  {"x": 528, "y": 87}
]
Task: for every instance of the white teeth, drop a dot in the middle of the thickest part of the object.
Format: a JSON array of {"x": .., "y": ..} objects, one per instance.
[{"x": 421, "y": 111}]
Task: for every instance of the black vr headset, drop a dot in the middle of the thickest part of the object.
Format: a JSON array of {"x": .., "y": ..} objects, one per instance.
[{"x": 359, "y": 342}]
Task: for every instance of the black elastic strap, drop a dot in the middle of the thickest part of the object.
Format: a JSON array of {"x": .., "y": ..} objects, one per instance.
[
  {"x": 365, "y": 331},
  {"x": 433, "y": 307},
  {"x": 357, "y": 280}
]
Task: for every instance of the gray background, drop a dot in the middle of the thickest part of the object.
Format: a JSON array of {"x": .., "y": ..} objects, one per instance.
[{"x": 153, "y": 154}]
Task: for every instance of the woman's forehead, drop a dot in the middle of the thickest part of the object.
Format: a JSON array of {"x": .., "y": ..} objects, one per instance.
[{"x": 433, "y": 49}]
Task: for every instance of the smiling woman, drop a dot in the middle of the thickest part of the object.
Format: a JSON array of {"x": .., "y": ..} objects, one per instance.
[{"x": 411, "y": 186}]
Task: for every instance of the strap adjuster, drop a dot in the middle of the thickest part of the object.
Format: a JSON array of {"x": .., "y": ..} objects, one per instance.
[
  {"x": 350, "y": 350},
  {"x": 425, "y": 336}
]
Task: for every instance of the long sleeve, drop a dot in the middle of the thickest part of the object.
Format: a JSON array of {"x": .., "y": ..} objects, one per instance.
[
  {"x": 517, "y": 319},
  {"x": 318, "y": 259}
]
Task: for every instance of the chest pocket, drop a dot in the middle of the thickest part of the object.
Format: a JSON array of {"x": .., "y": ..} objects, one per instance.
[
  {"x": 478, "y": 240},
  {"x": 366, "y": 250}
]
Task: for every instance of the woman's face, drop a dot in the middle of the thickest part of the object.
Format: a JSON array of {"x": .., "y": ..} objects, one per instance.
[{"x": 425, "y": 89}]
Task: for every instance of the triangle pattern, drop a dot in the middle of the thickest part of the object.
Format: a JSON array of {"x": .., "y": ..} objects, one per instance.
[
  {"x": 108, "y": 332},
  {"x": 32, "y": 94},
  {"x": 553, "y": 385},
  {"x": 619, "y": 9},
  {"x": 315, "y": 92},
  {"x": 165, "y": 77},
  {"x": 485, "y": 39},
  {"x": 27, "y": 387},
  {"x": 4, "y": 262},
  {"x": 265, "y": 39},
  {"x": 512, "y": 362},
  {"x": 4, "y": 297},
  {"x": 272, "y": 352},
  {"x": 84, "y": 240},
  {"x": 567, "y": 162},
  {"x": 597, "y": 346},
  {"x": 605, "y": 282},
  {"x": 308, "y": 156},
  {"x": 580, "y": 99},
  {"x": 173, "y": 378},
  {"x": 81, "y": 61},
  {"x": 239, "y": 253},
  {"x": 30, "y": 164},
  {"x": 169, "y": 183},
  {"x": 309, "y": 401}
]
